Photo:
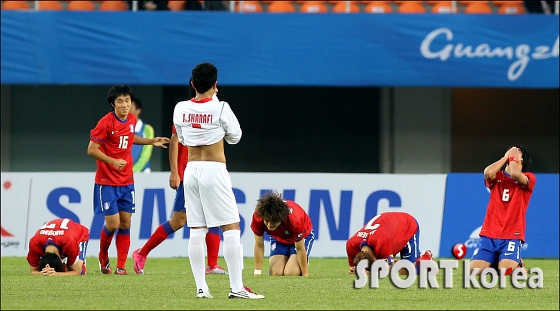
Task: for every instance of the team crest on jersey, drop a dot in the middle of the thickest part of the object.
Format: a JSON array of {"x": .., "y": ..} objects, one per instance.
[
  {"x": 131, "y": 128},
  {"x": 286, "y": 232}
]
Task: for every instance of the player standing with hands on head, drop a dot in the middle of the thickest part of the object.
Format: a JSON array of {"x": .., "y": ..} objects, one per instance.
[
  {"x": 178, "y": 156},
  {"x": 291, "y": 236},
  {"x": 59, "y": 248},
  {"x": 202, "y": 125},
  {"x": 113, "y": 194},
  {"x": 503, "y": 230}
]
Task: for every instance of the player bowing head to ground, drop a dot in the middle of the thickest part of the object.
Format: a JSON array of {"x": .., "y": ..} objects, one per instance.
[
  {"x": 503, "y": 230},
  {"x": 58, "y": 248},
  {"x": 291, "y": 235},
  {"x": 384, "y": 236}
]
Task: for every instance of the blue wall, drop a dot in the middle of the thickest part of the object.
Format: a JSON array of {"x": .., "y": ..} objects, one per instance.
[{"x": 161, "y": 48}]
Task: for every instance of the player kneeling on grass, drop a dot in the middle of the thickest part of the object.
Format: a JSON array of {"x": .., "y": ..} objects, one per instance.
[
  {"x": 291, "y": 236},
  {"x": 384, "y": 235},
  {"x": 58, "y": 248}
]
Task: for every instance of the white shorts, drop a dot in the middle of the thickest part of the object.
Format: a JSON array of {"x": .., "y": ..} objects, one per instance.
[{"x": 209, "y": 198}]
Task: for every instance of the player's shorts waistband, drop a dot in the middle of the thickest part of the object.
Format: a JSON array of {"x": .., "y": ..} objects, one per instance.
[{"x": 206, "y": 164}]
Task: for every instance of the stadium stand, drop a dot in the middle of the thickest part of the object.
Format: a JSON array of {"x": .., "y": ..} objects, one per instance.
[
  {"x": 411, "y": 7},
  {"x": 15, "y": 5},
  {"x": 113, "y": 6},
  {"x": 510, "y": 7},
  {"x": 280, "y": 7},
  {"x": 346, "y": 7},
  {"x": 50, "y": 6},
  {"x": 314, "y": 7},
  {"x": 80, "y": 6},
  {"x": 467, "y": 7},
  {"x": 442, "y": 7},
  {"x": 176, "y": 5},
  {"x": 378, "y": 7},
  {"x": 250, "y": 7},
  {"x": 477, "y": 7}
]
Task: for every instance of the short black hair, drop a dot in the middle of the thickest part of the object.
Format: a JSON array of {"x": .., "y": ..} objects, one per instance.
[
  {"x": 116, "y": 91},
  {"x": 52, "y": 260},
  {"x": 527, "y": 160},
  {"x": 191, "y": 89},
  {"x": 204, "y": 75},
  {"x": 137, "y": 102}
]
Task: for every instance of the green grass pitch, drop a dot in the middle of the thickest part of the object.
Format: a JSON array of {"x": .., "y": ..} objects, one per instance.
[{"x": 168, "y": 284}]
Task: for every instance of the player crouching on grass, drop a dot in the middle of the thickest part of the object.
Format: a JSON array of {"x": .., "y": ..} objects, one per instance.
[
  {"x": 291, "y": 236},
  {"x": 384, "y": 235},
  {"x": 58, "y": 248}
]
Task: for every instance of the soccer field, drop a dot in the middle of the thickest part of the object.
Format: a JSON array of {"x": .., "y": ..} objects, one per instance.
[{"x": 168, "y": 284}]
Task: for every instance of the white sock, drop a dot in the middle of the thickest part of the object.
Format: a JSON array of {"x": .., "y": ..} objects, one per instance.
[
  {"x": 197, "y": 258},
  {"x": 234, "y": 258}
]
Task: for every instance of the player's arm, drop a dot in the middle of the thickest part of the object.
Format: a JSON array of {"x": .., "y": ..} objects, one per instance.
[
  {"x": 156, "y": 141},
  {"x": 75, "y": 269},
  {"x": 258, "y": 253},
  {"x": 515, "y": 167},
  {"x": 94, "y": 152},
  {"x": 302, "y": 257},
  {"x": 491, "y": 170},
  {"x": 174, "y": 178},
  {"x": 35, "y": 270}
]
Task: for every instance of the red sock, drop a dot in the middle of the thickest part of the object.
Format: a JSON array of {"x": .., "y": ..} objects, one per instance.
[
  {"x": 105, "y": 239},
  {"x": 213, "y": 247},
  {"x": 123, "y": 244},
  {"x": 155, "y": 239}
]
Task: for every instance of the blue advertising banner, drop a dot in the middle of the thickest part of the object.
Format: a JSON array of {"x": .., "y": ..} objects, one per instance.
[
  {"x": 466, "y": 200},
  {"x": 161, "y": 48}
]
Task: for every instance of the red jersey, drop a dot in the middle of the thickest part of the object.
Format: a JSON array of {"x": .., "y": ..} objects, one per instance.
[
  {"x": 182, "y": 156},
  {"x": 295, "y": 228},
  {"x": 63, "y": 233},
  {"x": 387, "y": 234},
  {"x": 115, "y": 138},
  {"x": 505, "y": 215}
]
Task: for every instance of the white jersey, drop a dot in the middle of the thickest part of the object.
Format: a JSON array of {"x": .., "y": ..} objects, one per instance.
[{"x": 205, "y": 122}]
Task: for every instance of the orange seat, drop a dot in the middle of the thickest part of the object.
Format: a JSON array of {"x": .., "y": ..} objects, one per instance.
[
  {"x": 281, "y": 7},
  {"x": 49, "y": 5},
  {"x": 378, "y": 7},
  {"x": 15, "y": 5},
  {"x": 113, "y": 6},
  {"x": 513, "y": 7},
  {"x": 313, "y": 7},
  {"x": 341, "y": 6},
  {"x": 498, "y": 3},
  {"x": 411, "y": 7},
  {"x": 478, "y": 7},
  {"x": 443, "y": 7},
  {"x": 176, "y": 5},
  {"x": 249, "y": 7},
  {"x": 80, "y": 6}
]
